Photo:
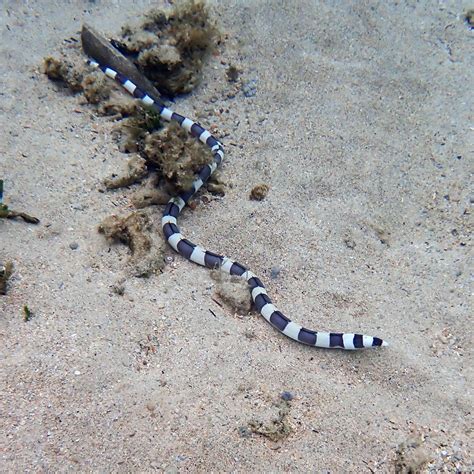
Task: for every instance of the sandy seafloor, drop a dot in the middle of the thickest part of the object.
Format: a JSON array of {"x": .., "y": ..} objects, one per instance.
[{"x": 362, "y": 126}]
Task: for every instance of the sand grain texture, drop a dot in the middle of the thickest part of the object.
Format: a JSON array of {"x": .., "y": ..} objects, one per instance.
[{"x": 359, "y": 119}]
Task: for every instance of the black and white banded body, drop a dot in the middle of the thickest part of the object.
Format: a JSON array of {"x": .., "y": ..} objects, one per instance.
[{"x": 203, "y": 257}]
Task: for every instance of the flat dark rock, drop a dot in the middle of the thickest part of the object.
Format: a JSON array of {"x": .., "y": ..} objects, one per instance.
[{"x": 98, "y": 48}]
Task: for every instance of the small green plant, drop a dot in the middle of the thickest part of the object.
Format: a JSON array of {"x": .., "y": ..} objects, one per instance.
[{"x": 27, "y": 315}]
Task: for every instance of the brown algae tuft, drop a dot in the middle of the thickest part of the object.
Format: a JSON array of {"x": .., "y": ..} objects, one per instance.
[
  {"x": 232, "y": 291},
  {"x": 6, "y": 270},
  {"x": 170, "y": 46},
  {"x": 276, "y": 429},
  {"x": 135, "y": 230},
  {"x": 259, "y": 192},
  {"x": 411, "y": 456},
  {"x": 63, "y": 70},
  {"x": 136, "y": 170},
  {"x": 176, "y": 154}
]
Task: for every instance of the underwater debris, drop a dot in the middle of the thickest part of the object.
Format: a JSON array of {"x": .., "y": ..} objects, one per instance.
[
  {"x": 278, "y": 428},
  {"x": 216, "y": 185},
  {"x": 96, "y": 87},
  {"x": 286, "y": 396},
  {"x": 232, "y": 291},
  {"x": 27, "y": 314},
  {"x": 469, "y": 17},
  {"x": 128, "y": 230},
  {"x": 136, "y": 170},
  {"x": 104, "y": 51},
  {"x": 6, "y": 270},
  {"x": 9, "y": 214},
  {"x": 167, "y": 50},
  {"x": 349, "y": 242},
  {"x": 147, "y": 348},
  {"x": 119, "y": 106},
  {"x": 216, "y": 188},
  {"x": 6, "y": 213},
  {"x": 169, "y": 47},
  {"x": 118, "y": 287},
  {"x": 139, "y": 121},
  {"x": 244, "y": 432},
  {"x": 71, "y": 70},
  {"x": 232, "y": 73},
  {"x": 259, "y": 192},
  {"x": 176, "y": 154},
  {"x": 63, "y": 70},
  {"x": 150, "y": 194},
  {"x": 249, "y": 88},
  {"x": 410, "y": 456},
  {"x": 382, "y": 235},
  {"x": 170, "y": 44},
  {"x": 135, "y": 230}
]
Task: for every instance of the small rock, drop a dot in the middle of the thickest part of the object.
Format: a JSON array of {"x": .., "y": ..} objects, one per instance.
[
  {"x": 469, "y": 17},
  {"x": 274, "y": 272},
  {"x": 73, "y": 245},
  {"x": 286, "y": 396},
  {"x": 350, "y": 244},
  {"x": 244, "y": 432},
  {"x": 250, "y": 88},
  {"x": 118, "y": 288},
  {"x": 232, "y": 73}
]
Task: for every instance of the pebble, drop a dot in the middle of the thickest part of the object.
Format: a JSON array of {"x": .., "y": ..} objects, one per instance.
[
  {"x": 73, "y": 245},
  {"x": 77, "y": 372},
  {"x": 250, "y": 88},
  {"x": 275, "y": 271},
  {"x": 286, "y": 396},
  {"x": 244, "y": 432},
  {"x": 350, "y": 243}
]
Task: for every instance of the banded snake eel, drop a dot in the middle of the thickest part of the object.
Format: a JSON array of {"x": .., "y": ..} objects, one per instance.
[{"x": 197, "y": 254}]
